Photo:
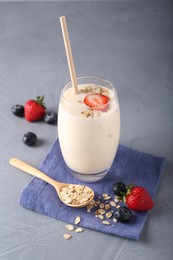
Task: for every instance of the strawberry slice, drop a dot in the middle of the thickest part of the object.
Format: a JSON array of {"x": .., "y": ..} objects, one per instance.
[{"x": 96, "y": 101}]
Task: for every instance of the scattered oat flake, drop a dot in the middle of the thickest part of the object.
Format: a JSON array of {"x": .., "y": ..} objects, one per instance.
[
  {"x": 107, "y": 198},
  {"x": 97, "y": 202},
  {"x": 67, "y": 236},
  {"x": 101, "y": 211},
  {"x": 118, "y": 206},
  {"x": 107, "y": 206},
  {"x": 89, "y": 207},
  {"x": 109, "y": 214},
  {"x": 79, "y": 230},
  {"x": 106, "y": 222},
  {"x": 102, "y": 205},
  {"x": 87, "y": 113},
  {"x": 112, "y": 203},
  {"x": 97, "y": 212},
  {"x": 69, "y": 227},
  {"x": 77, "y": 220},
  {"x": 115, "y": 220},
  {"x": 101, "y": 216}
]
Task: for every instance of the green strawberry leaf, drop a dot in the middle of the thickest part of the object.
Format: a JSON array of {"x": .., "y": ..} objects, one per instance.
[{"x": 40, "y": 101}]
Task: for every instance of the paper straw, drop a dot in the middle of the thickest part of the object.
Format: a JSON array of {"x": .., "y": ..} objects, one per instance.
[{"x": 69, "y": 53}]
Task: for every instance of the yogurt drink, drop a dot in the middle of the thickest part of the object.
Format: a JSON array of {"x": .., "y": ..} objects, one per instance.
[{"x": 89, "y": 134}]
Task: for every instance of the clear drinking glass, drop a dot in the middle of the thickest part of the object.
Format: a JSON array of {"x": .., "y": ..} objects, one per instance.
[{"x": 88, "y": 137}]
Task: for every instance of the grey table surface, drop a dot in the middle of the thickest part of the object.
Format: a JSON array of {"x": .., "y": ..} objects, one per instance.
[{"x": 129, "y": 43}]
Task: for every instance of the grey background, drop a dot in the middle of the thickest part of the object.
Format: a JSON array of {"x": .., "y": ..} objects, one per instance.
[{"x": 127, "y": 42}]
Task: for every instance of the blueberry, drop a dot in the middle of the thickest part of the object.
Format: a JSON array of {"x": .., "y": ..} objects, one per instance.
[
  {"x": 118, "y": 188},
  {"x": 18, "y": 110},
  {"x": 50, "y": 118},
  {"x": 123, "y": 214},
  {"x": 29, "y": 138}
]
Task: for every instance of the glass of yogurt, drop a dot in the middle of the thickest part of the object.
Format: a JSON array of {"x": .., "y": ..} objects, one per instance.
[{"x": 89, "y": 127}]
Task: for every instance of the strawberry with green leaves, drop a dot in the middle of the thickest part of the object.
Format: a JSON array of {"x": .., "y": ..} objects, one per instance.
[
  {"x": 34, "y": 110},
  {"x": 137, "y": 198}
]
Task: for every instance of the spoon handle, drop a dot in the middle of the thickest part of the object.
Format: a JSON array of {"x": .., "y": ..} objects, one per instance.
[{"x": 31, "y": 170}]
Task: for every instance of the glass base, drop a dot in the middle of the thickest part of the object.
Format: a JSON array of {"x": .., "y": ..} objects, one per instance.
[{"x": 89, "y": 177}]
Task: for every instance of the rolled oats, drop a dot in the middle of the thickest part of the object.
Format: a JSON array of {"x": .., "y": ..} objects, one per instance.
[
  {"x": 75, "y": 194},
  {"x": 106, "y": 222},
  {"x": 89, "y": 207},
  {"x": 115, "y": 220},
  {"x": 97, "y": 202},
  {"x": 107, "y": 198},
  {"x": 101, "y": 211},
  {"x": 86, "y": 89},
  {"x": 67, "y": 236},
  {"x": 77, "y": 220},
  {"x": 88, "y": 113},
  {"x": 102, "y": 205},
  {"x": 107, "y": 206},
  {"x": 109, "y": 214},
  {"x": 69, "y": 227},
  {"x": 112, "y": 203},
  {"x": 92, "y": 202},
  {"x": 101, "y": 216},
  {"x": 79, "y": 230},
  {"x": 97, "y": 212}
]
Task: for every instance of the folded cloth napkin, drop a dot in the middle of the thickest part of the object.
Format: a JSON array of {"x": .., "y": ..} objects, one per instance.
[{"x": 129, "y": 166}]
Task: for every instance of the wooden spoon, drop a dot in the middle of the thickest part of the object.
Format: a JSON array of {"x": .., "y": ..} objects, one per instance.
[{"x": 57, "y": 185}]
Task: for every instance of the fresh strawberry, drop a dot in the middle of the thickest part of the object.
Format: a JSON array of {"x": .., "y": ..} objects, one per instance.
[
  {"x": 34, "y": 110},
  {"x": 137, "y": 198},
  {"x": 96, "y": 101}
]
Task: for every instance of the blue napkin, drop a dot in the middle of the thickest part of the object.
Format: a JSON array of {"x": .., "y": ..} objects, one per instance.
[{"x": 129, "y": 166}]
